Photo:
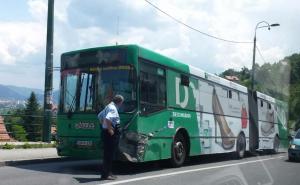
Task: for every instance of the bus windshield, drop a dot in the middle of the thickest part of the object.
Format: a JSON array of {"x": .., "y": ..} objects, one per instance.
[{"x": 90, "y": 89}]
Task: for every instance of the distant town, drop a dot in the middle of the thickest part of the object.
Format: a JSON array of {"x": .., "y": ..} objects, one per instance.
[{"x": 13, "y": 97}]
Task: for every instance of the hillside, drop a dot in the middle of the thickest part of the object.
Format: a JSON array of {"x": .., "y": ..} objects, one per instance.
[
  {"x": 7, "y": 93},
  {"x": 14, "y": 93}
]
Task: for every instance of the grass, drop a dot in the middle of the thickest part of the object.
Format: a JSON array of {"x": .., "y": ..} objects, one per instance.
[{"x": 8, "y": 146}]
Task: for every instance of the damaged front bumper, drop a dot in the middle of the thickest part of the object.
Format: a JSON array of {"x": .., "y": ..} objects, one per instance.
[{"x": 132, "y": 146}]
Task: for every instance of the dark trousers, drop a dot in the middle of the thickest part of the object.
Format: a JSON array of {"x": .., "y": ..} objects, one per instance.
[{"x": 110, "y": 144}]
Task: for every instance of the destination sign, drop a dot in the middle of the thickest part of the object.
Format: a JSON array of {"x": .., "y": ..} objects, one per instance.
[{"x": 96, "y": 57}]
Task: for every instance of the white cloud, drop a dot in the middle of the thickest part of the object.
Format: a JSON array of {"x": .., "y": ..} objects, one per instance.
[
  {"x": 19, "y": 40},
  {"x": 91, "y": 36},
  {"x": 38, "y": 9},
  {"x": 270, "y": 55},
  {"x": 60, "y": 10},
  {"x": 92, "y": 23}
]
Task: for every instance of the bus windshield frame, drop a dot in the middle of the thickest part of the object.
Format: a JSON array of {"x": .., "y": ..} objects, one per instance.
[{"x": 89, "y": 88}]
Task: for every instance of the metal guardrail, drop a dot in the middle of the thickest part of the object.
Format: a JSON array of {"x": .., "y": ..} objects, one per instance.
[{"x": 31, "y": 132}]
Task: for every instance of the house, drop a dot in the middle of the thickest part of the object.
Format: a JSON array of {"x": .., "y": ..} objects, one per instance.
[{"x": 3, "y": 132}]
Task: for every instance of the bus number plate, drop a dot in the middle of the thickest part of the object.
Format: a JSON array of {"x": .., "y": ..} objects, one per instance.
[
  {"x": 84, "y": 144},
  {"x": 85, "y": 125}
]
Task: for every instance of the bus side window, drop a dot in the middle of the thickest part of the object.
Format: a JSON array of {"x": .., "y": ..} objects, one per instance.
[
  {"x": 184, "y": 80},
  {"x": 152, "y": 88},
  {"x": 230, "y": 94}
]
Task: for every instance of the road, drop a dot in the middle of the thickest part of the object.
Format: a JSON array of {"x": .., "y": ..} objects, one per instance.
[{"x": 212, "y": 169}]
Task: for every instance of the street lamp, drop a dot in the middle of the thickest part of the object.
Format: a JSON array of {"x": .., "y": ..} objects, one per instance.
[{"x": 267, "y": 25}]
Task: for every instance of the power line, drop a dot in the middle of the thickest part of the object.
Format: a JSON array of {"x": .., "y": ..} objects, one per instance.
[
  {"x": 261, "y": 56},
  {"x": 195, "y": 29}
]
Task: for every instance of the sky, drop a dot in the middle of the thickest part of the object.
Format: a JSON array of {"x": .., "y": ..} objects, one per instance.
[{"x": 82, "y": 24}]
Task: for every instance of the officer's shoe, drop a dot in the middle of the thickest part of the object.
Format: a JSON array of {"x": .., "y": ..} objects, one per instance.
[{"x": 110, "y": 177}]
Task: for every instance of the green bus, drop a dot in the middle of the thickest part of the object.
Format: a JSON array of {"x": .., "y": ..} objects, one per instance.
[{"x": 171, "y": 110}]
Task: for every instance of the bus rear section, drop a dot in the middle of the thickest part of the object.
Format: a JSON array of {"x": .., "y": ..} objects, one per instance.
[{"x": 272, "y": 123}]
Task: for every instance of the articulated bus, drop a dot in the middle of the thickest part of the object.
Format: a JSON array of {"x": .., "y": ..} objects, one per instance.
[{"x": 171, "y": 110}]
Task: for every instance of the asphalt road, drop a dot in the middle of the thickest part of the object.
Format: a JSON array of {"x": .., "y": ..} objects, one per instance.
[{"x": 212, "y": 169}]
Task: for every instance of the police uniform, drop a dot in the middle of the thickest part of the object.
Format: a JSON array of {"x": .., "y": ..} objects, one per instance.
[{"x": 110, "y": 143}]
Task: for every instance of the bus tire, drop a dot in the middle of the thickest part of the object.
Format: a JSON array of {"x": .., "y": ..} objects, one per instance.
[
  {"x": 178, "y": 150},
  {"x": 276, "y": 145},
  {"x": 240, "y": 146}
]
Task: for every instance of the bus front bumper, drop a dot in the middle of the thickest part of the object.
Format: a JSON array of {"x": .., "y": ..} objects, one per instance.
[{"x": 132, "y": 146}]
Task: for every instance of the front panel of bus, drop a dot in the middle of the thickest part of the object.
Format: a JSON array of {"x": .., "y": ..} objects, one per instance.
[{"x": 89, "y": 80}]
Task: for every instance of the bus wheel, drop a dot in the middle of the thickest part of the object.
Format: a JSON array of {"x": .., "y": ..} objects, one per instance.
[
  {"x": 240, "y": 146},
  {"x": 276, "y": 145},
  {"x": 291, "y": 158},
  {"x": 179, "y": 150}
]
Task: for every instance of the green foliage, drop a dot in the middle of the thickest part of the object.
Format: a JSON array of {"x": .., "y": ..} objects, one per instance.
[
  {"x": 19, "y": 133},
  {"x": 26, "y": 145},
  {"x": 14, "y": 120},
  {"x": 230, "y": 72},
  {"x": 280, "y": 80},
  {"x": 294, "y": 103},
  {"x": 7, "y": 146},
  {"x": 244, "y": 75},
  {"x": 33, "y": 118}
]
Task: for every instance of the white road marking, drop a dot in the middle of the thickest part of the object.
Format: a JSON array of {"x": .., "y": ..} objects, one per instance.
[{"x": 187, "y": 171}]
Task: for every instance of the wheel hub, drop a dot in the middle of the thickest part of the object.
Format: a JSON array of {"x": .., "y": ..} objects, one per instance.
[{"x": 179, "y": 150}]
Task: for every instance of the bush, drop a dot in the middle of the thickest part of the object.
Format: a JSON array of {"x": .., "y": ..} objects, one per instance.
[
  {"x": 27, "y": 145},
  {"x": 7, "y": 146},
  {"x": 19, "y": 132}
]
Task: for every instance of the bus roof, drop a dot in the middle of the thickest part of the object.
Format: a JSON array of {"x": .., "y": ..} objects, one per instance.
[
  {"x": 166, "y": 61},
  {"x": 160, "y": 59},
  {"x": 265, "y": 97}
]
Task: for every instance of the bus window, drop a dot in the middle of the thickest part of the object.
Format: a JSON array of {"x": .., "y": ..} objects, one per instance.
[
  {"x": 184, "y": 80},
  {"x": 269, "y": 106},
  {"x": 234, "y": 95},
  {"x": 79, "y": 94},
  {"x": 153, "y": 88},
  {"x": 230, "y": 94}
]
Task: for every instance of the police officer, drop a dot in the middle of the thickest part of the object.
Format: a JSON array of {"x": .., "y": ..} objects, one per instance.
[{"x": 109, "y": 117}]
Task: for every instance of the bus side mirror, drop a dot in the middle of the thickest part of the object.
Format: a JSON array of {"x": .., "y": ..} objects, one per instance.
[{"x": 290, "y": 138}]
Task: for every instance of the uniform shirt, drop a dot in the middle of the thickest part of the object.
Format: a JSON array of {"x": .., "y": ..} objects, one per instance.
[{"x": 110, "y": 112}]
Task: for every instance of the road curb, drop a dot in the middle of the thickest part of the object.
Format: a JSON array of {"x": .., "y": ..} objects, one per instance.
[{"x": 35, "y": 161}]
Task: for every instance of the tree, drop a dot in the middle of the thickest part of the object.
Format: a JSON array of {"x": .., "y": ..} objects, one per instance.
[
  {"x": 14, "y": 120},
  {"x": 32, "y": 118},
  {"x": 280, "y": 80}
]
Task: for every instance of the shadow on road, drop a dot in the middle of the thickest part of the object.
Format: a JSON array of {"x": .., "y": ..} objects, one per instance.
[
  {"x": 86, "y": 180},
  {"x": 93, "y": 167},
  {"x": 294, "y": 161}
]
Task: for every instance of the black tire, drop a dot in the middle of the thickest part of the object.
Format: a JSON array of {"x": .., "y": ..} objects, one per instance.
[
  {"x": 240, "y": 146},
  {"x": 178, "y": 151},
  {"x": 276, "y": 144},
  {"x": 291, "y": 158}
]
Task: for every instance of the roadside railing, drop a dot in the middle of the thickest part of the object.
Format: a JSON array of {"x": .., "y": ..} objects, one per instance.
[{"x": 24, "y": 128}]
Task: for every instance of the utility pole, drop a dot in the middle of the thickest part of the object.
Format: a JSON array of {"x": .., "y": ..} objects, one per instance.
[
  {"x": 48, "y": 74},
  {"x": 267, "y": 25},
  {"x": 253, "y": 63}
]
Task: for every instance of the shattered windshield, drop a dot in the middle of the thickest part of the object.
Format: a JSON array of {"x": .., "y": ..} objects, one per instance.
[{"x": 90, "y": 89}]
